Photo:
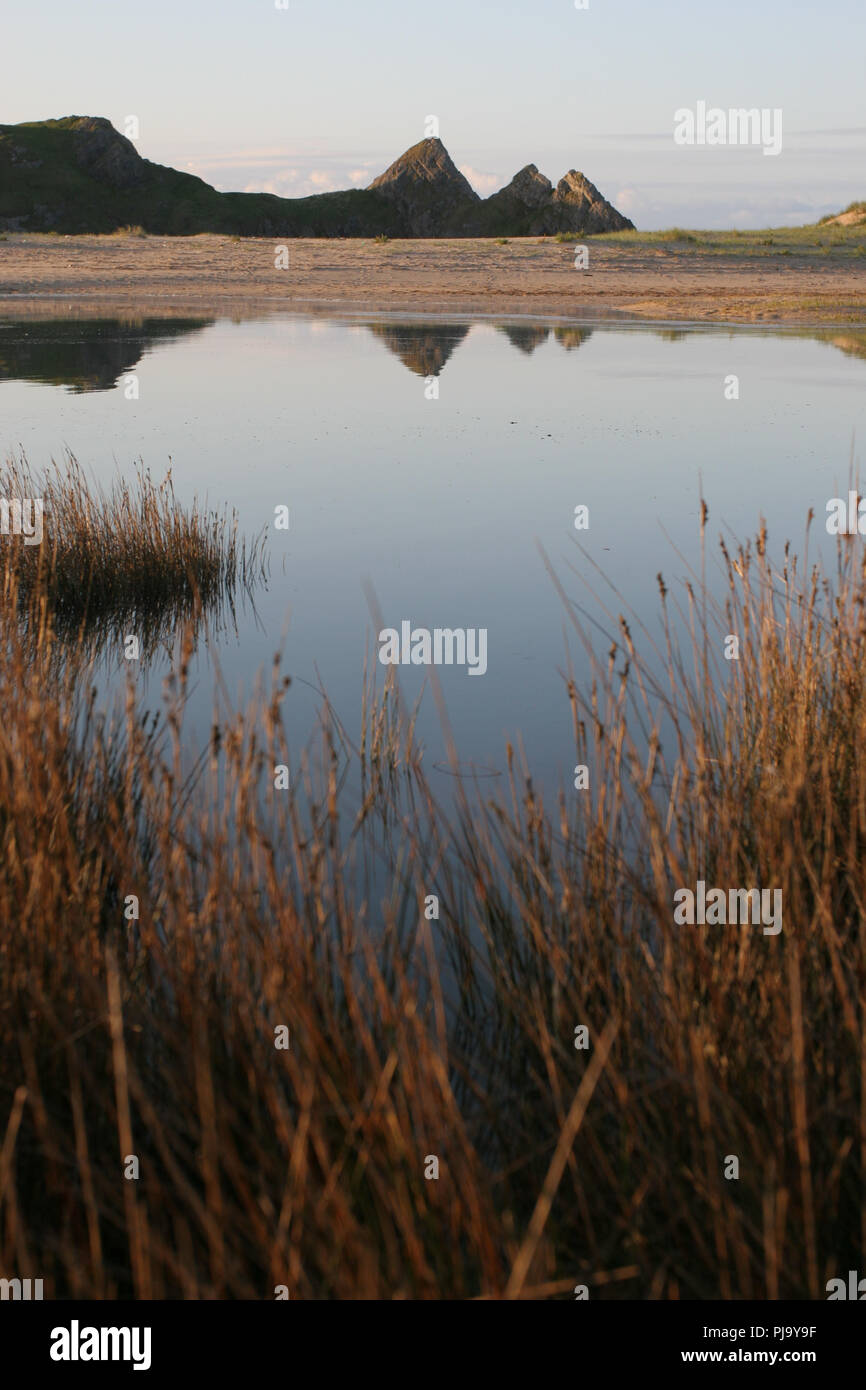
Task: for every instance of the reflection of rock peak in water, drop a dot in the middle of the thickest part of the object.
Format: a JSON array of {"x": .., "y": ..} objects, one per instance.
[
  {"x": 525, "y": 337},
  {"x": 571, "y": 338},
  {"x": 423, "y": 347},
  {"x": 426, "y": 347},
  {"x": 83, "y": 354}
]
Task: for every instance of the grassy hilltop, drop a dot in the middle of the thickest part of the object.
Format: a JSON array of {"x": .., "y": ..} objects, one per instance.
[{"x": 78, "y": 174}]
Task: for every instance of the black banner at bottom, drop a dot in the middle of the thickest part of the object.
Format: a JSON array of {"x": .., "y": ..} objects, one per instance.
[{"x": 68, "y": 1339}]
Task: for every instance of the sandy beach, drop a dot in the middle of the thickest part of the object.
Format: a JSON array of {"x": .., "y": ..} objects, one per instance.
[{"x": 677, "y": 281}]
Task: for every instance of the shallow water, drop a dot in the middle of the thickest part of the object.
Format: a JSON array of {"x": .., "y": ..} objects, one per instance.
[{"x": 439, "y": 504}]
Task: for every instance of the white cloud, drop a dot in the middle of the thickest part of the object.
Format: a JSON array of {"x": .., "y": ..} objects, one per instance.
[
  {"x": 286, "y": 172},
  {"x": 300, "y": 183},
  {"x": 482, "y": 183},
  {"x": 629, "y": 201},
  {"x": 284, "y": 183}
]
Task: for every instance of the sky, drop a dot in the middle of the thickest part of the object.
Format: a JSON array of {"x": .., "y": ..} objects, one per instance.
[{"x": 324, "y": 94}]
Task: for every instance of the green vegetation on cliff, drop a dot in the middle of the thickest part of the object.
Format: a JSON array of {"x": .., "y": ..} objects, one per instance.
[{"x": 80, "y": 175}]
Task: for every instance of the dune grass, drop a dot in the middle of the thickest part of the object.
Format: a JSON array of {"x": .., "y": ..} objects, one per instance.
[
  {"x": 413, "y": 1037},
  {"x": 859, "y": 206},
  {"x": 818, "y": 240}
]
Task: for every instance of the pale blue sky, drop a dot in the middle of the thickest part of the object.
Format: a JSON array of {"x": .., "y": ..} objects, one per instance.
[{"x": 328, "y": 92}]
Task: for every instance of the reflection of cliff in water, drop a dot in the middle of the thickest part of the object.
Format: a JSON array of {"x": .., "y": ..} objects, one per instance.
[
  {"x": 423, "y": 347},
  {"x": 83, "y": 354},
  {"x": 525, "y": 337},
  {"x": 571, "y": 338}
]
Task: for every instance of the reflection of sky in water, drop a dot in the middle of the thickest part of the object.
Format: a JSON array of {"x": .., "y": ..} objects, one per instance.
[{"x": 439, "y": 503}]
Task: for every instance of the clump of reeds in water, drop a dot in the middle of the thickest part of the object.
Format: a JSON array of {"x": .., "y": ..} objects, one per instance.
[
  {"x": 413, "y": 1036},
  {"x": 127, "y": 558}
]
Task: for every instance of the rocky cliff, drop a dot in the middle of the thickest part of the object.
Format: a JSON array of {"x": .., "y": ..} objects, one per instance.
[
  {"x": 530, "y": 206},
  {"x": 79, "y": 174},
  {"x": 426, "y": 188}
]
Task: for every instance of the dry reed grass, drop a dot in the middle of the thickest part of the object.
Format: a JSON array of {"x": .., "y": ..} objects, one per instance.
[
  {"x": 455, "y": 1038},
  {"x": 124, "y": 559}
]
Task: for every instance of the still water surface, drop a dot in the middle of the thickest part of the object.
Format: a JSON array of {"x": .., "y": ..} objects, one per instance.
[{"x": 438, "y": 502}]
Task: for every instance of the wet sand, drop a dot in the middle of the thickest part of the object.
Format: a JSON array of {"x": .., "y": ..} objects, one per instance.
[{"x": 667, "y": 282}]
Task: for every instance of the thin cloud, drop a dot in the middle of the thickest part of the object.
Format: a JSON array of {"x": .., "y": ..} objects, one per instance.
[
  {"x": 629, "y": 201},
  {"x": 482, "y": 183}
]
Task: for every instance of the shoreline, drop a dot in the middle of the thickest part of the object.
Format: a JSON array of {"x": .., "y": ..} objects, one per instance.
[
  {"x": 130, "y": 313},
  {"x": 640, "y": 280}
]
